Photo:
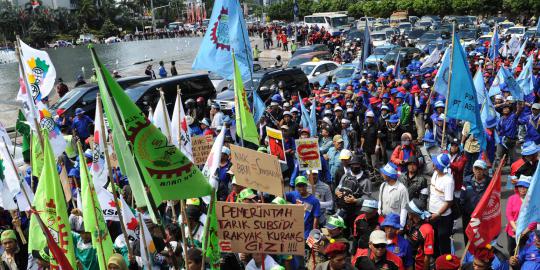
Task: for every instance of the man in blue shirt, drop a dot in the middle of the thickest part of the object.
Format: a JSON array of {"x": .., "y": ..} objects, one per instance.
[
  {"x": 396, "y": 243},
  {"x": 162, "y": 70},
  {"x": 81, "y": 123},
  {"x": 312, "y": 206},
  {"x": 529, "y": 255},
  {"x": 507, "y": 129}
]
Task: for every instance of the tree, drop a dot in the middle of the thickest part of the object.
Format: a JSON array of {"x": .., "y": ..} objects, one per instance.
[
  {"x": 108, "y": 29},
  {"x": 86, "y": 12},
  {"x": 8, "y": 20}
]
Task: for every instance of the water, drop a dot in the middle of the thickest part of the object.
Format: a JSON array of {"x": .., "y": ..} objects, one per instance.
[{"x": 71, "y": 62}]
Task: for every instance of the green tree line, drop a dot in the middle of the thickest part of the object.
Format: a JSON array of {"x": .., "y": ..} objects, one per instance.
[{"x": 384, "y": 8}]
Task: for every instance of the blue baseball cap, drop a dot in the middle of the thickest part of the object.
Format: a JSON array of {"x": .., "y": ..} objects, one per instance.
[
  {"x": 390, "y": 171},
  {"x": 79, "y": 111},
  {"x": 391, "y": 220},
  {"x": 394, "y": 119}
]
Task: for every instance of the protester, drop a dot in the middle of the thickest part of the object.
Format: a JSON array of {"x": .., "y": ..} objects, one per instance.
[
  {"x": 376, "y": 256},
  {"x": 441, "y": 197}
]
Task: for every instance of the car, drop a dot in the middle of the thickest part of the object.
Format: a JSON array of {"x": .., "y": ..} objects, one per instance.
[
  {"x": 493, "y": 20},
  {"x": 414, "y": 35},
  {"x": 468, "y": 36},
  {"x": 317, "y": 68},
  {"x": 84, "y": 97},
  {"x": 343, "y": 74},
  {"x": 484, "y": 29},
  {"x": 426, "y": 25},
  {"x": 505, "y": 25},
  {"x": 60, "y": 44},
  {"x": 355, "y": 35},
  {"x": 441, "y": 44},
  {"x": 146, "y": 95},
  {"x": 483, "y": 39},
  {"x": 378, "y": 38},
  {"x": 404, "y": 26},
  {"x": 427, "y": 37},
  {"x": 391, "y": 31},
  {"x": 265, "y": 82},
  {"x": 379, "y": 52},
  {"x": 531, "y": 32},
  {"x": 307, "y": 57},
  {"x": 518, "y": 31},
  {"x": 310, "y": 48},
  {"x": 112, "y": 40},
  {"x": 406, "y": 55}
]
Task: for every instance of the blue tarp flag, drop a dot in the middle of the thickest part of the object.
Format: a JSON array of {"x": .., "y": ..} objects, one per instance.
[
  {"x": 479, "y": 85},
  {"x": 494, "y": 46},
  {"x": 494, "y": 89},
  {"x": 488, "y": 111},
  {"x": 538, "y": 26},
  {"x": 462, "y": 100},
  {"x": 525, "y": 79},
  {"x": 511, "y": 84},
  {"x": 518, "y": 56},
  {"x": 258, "y": 107},
  {"x": 397, "y": 66},
  {"x": 226, "y": 32},
  {"x": 441, "y": 79},
  {"x": 304, "y": 118},
  {"x": 367, "y": 46},
  {"x": 313, "y": 120},
  {"x": 530, "y": 205}
]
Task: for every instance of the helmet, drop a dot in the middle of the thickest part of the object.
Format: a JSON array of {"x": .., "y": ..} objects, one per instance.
[
  {"x": 200, "y": 100},
  {"x": 276, "y": 98},
  {"x": 190, "y": 101},
  {"x": 281, "y": 84}
]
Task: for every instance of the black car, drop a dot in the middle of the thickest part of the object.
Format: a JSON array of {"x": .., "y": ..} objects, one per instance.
[
  {"x": 310, "y": 48},
  {"x": 84, "y": 97},
  {"x": 414, "y": 35},
  {"x": 355, "y": 35},
  {"x": 265, "y": 82},
  {"x": 406, "y": 55},
  {"x": 146, "y": 94}
]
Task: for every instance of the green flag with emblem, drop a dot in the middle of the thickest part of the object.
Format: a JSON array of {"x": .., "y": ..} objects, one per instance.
[
  {"x": 50, "y": 204},
  {"x": 93, "y": 217},
  {"x": 169, "y": 174},
  {"x": 23, "y": 128}
]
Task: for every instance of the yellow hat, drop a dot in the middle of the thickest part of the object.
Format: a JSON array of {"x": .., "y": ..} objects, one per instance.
[{"x": 8, "y": 234}]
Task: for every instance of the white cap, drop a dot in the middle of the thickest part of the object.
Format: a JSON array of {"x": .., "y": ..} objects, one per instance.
[
  {"x": 425, "y": 86},
  {"x": 338, "y": 108},
  {"x": 377, "y": 237},
  {"x": 345, "y": 154},
  {"x": 498, "y": 97},
  {"x": 370, "y": 114}
]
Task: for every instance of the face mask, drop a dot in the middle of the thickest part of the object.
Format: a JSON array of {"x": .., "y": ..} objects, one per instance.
[
  {"x": 405, "y": 142},
  {"x": 356, "y": 170}
]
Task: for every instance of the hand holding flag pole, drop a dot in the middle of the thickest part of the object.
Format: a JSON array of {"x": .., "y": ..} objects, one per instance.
[{"x": 443, "y": 140}]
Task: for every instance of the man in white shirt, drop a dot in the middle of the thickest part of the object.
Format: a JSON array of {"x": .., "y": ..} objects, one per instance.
[
  {"x": 393, "y": 195},
  {"x": 441, "y": 197},
  {"x": 217, "y": 116}
]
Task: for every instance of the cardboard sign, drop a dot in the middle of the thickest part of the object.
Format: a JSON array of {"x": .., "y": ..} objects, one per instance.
[
  {"x": 201, "y": 145},
  {"x": 257, "y": 170},
  {"x": 275, "y": 143},
  {"x": 261, "y": 228},
  {"x": 307, "y": 151}
]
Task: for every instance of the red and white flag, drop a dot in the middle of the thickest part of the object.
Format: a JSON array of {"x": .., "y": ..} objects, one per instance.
[
  {"x": 100, "y": 168},
  {"x": 180, "y": 129},
  {"x": 485, "y": 224},
  {"x": 212, "y": 162}
]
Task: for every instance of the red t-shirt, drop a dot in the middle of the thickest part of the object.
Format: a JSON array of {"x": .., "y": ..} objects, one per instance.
[{"x": 427, "y": 248}]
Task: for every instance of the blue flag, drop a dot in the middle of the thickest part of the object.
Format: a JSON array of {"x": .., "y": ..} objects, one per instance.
[
  {"x": 304, "y": 119},
  {"x": 462, "y": 99},
  {"x": 258, "y": 107},
  {"x": 397, "y": 66},
  {"x": 494, "y": 89},
  {"x": 530, "y": 205},
  {"x": 538, "y": 27},
  {"x": 441, "y": 79},
  {"x": 494, "y": 46},
  {"x": 511, "y": 84},
  {"x": 479, "y": 85},
  {"x": 518, "y": 56},
  {"x": 367, "y": 47},
  {"x": 313, "y": 120},
  {"x": 525, "y": 78},
  {"x": 226, "y": 32}
]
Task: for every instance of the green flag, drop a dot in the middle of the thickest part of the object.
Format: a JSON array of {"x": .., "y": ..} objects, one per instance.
[
  {"x": 93, "y": 217},
  {"x": 245, "y": 123},
  {"x": 169, "y": 174},
  {"x": 37, "y": 155},
  {"x": 50, "y": 203},
  {"x": 24, "y": 128},
  {"x": 212, "y": 249}
]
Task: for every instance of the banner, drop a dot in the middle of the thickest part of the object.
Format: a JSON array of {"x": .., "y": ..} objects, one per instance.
[
  {"x": 261, "y": 228},
  {"x": 202, "y": 145},
  {"x": 275, "y": 143},
  {"x": 257, "y": 170},
  {"x": 307, "y": 151}
]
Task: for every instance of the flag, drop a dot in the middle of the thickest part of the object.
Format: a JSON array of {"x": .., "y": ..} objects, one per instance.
[
  {"x": 146, "y": 244},
  {"x": 39, "y": 70},
  {"x": 525, "y": 78},
  {"x": 108, "y": 207},
  {"x": 212, "y": 162},
  {"x": 462, "y": 100},
  {"x": 37, "y": 155},
  {"x": 495, "y": 89},
  {"x": 538, "y": 27},
  {"x": 528, "y": 212},
  {"x": 169, "y": 174},
  {"x": 366, "y": 49},
  {"x": 485, "y": 224},
  {"x": 100, "y": 168},
  {"x": 212, "y": 249},
  {"x": 313, "y": 119},
  {"x": 513, "y": 46},
  {"x": 441, "y": 79},
  {"x": 520, "y": 53},
  {"x": 23, "y": 127},
  {"x": 93, "y": 216},
  {"x": 10, "y": 173},
  {"x": 304, "y": 118},
  {"x": 180, "y": 130},
  {"x": 511, "y": 84},
  {"x": 226, "y": 32},
  {"x": 22, "y": 202},
  {"x": 493, "y": 51},
  {"x": 161, "y": 118},
  {"x": 479, "y": 85},
  {"x": 258, "y": 107},
  {"x": 50, "y": 205},
  {"x": 397, "y": 66},
  {"x": 6, "y": 199},
  {"x": 247, "y": 129},
  {"x": 432, "y": 59}
]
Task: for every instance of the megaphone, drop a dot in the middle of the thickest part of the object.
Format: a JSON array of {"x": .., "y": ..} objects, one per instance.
[{"x": 315, "y": 236}]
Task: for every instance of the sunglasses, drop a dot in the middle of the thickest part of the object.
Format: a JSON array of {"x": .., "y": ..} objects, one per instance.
[{"x": 379, "y": 246}]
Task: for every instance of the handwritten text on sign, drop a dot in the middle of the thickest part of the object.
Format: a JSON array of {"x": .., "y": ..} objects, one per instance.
[
  {"x": 307, "y": 151},
  {"x": 260, "y": 228},
  {"x": 257, "y": 170},
  {"x": 202, "y": 145}
]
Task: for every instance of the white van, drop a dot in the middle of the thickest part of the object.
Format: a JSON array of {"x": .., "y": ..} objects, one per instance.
[{"x": 333, "y": 22}]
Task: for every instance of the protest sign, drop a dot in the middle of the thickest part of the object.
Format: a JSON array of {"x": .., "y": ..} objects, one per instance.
[
  {"x": 275, "y": 142},
  {"x": 256, "y": 170},
  {"x": 201, "y": 145},
  {"x": 261, "y": 228},
  {"x": 307, "y": 151}
]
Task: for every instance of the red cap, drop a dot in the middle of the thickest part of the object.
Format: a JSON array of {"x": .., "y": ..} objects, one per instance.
[
  {"x": 294, "y": 98},
  {"x": 415, "y": 89},
  {"x": 59, "y": 112},
  {"x": 402, "y": 90},
  {"x": 484, "y": 253},
  {"x": 447, "y": 262},
  {"x": 373, "y": 100},
  {"x": 428, "y": 75},
  {"x": 305, "y": 100},
  {"x": 335, "y": 249}
]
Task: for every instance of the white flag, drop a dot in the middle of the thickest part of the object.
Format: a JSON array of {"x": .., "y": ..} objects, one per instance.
[
  {"x": 39, "y": 70},
  {"x": 160, "y": 118},
  {"x": 150, "y": 246},
  {"x": 432, "y": 59},
  {"x": 21, "y": 199},
  {"x": 100, "y": 168},
  {"x": 10, "y": 173},
  {"x": 108, "y": 206},
  {"x": 212, "y": 162},
  {"x": 180, "y": 129}
]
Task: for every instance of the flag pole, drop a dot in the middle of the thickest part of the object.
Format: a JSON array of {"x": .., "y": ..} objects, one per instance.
[
  {"x": 184, "y": 240},
  {"x": 92, "y": 192},
  {"x": 443, "y": 142},
  {"x": 207, "y": 227},
  {"x": 28, "y": 89},
  {"x": 143, "y": 238},
  {"x": 108, "y": 163}
]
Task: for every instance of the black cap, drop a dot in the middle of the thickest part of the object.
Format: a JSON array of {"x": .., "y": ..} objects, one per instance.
[
  {"x": 412, "y": 159},
  {"x": 455, "y": 141},
  {"x": 356, "y": 159}
]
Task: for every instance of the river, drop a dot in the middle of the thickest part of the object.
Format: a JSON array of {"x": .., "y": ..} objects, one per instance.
[{"x": 71, "y": 62}]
